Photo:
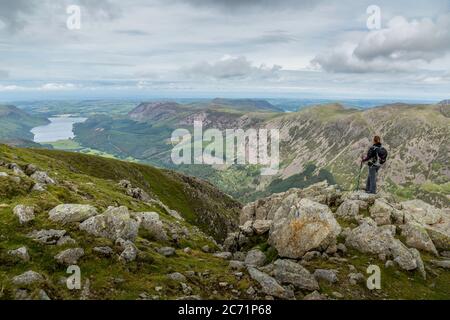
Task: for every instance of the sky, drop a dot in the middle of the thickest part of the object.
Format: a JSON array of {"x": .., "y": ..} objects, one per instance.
[{"x": 260, "y": 48}]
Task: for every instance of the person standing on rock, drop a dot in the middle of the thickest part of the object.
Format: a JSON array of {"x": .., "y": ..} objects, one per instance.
[{"x": 376, "y": 157}]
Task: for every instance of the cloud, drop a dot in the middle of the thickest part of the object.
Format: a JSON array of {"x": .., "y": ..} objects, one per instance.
[
  {"x": 239, "y": 5},
  {"x": 133, "y": 32},
  {"x": 43, "y": 87},
  {"x": 231, "y": 68},
  {"x": 12, "y": 13},
  {"x": 402, "y": 46},
  {"x": 4, "y": 74},
  {"x": 15, "y": 14}
]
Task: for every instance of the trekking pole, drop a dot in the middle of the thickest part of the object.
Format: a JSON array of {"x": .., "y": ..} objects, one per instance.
[{"x": 359, "y": 177}]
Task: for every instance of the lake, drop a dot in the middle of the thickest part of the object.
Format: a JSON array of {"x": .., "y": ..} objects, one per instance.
[{"x": 59, "y": 128}]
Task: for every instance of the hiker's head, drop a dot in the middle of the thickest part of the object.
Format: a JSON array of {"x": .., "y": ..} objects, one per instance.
[{"x": 376, "y": 139}]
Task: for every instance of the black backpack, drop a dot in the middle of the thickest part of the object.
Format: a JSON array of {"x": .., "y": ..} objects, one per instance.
[{"x": 381, "y": 155}]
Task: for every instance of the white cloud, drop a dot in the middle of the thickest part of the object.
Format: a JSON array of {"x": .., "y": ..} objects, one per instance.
[
  {"x": 57, "y": 86},
  {"x": 402, "y": 46},
  {"x": 229, "y": 68},
  {"x": 42, "y": 87}
]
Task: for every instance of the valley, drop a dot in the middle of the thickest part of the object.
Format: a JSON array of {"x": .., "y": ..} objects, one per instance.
[{"x": 322, "y": 142}]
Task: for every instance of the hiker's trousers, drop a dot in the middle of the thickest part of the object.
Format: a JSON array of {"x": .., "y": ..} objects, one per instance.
[{"x": 371, "y": 184}]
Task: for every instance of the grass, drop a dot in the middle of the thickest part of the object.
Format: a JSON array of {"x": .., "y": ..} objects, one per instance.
[{"x": 93, "y": 180}]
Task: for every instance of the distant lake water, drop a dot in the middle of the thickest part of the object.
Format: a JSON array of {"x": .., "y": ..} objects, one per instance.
[{"x": 59, "y": 128}]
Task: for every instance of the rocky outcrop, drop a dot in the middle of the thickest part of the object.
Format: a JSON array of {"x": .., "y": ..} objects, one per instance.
[
  {"x": 269, "y": 285},
  {"x": 289, "y": 272},
  {"x": 276, "y": 206},
  {"x": 152, "y": 224},
  {"x": 70, "y": 256},
  {"x": 416, "y": 236},
  {"x": 48, "y": 237},
  {"x": 305, "y": 227},
  {"x": 369, "y": 238},
  {"x": 42, "y": 177},
  {"x": 255, "y": 258},
  {"x": 136, "y": 193},
  {"x": 20, "y": 253},
  {"x": 113, "y": 224},
  {"x": 24, "y": 213},
  {"x": 27, "y": 279},
  {"x": 67, "y": 213}
]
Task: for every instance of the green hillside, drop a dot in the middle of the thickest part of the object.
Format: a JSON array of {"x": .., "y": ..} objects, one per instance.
[
  {"x": 16, "y": 124},
  {"x": 90, "y": 180}
]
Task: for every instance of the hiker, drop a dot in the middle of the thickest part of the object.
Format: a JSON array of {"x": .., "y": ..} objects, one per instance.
[{"x": 376, "y": 157}]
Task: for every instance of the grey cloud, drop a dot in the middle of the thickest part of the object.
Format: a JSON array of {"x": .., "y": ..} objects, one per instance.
[
  {"x": 402, "y": 46},
  {"x": 419, "y": 39},
  {"x": 4, "y": 74},
  {"x": 133, "y": 32},
  {"x": 15, "y": 14},
  {"x": 232, "y": 68},
  {"x": 237, "y": 5},
  {"x": 12, "y": 13}
]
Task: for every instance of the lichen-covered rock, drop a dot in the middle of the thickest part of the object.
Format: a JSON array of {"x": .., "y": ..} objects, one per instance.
[
  {"x": 42, "y": 177},
  {"x": 445, "y": 264},
  {"x": 66, "y": 240},
  {"x": 113, "y": 224},
  {"x": 24, "y": 213},
  {"x": 315, "y": 296},
  {"x": 20, "y": 253},
  {"x": 439, "y": 236},
  {"x": 277, "y": 206},
  {"x": 237, "y": 265},
  {"x": 235, "y": 241},
  {"x": 369, "y": 238},
  {"x": 224, "y": 255},
  {"x": 176, "y": 276},
  {"x": 27, "y": 279},
  {"x": 261, "y": 226},
  {"x": 68, "y": 213},
  {"x": 381, "y": 212},
  {"x": 104, "y": 251},
  {"x": 350, "y": 209},
  {"x": 327, "y": 275},
  {"x": 47, "y": 236},
  {"x": 255, "y": 258},
  {"x": 129, "y": 250},
  {"x": 16, "y": 169},
  {"x": 362, "y": 196},
  {"x": 289, "y": 272},
  {"x": 166, "y": 251},
  {"x": 269, "y": 285},
  {"x": 421, "y": 212},
  {"x": 404, "y": 257},
  {"x": 308, "y": 226},
  {"x": 30, "y": 169},
  {"x": 416, "y": 236},
  {"x": 70, "y": 256},
  {"x": 151, "y": 222}
]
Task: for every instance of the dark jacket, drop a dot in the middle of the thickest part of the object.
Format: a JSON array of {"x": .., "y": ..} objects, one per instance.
[{"x": 372, "y": 154}]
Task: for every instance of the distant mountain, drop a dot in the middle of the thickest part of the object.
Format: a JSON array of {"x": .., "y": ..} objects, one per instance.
[
  {"x": 246, "y": 104},
  {"x": 16, "y": 124},
  {"x": 321, "y": 142},
  {"x": 333, "y": 138},
  {"x": 155, "y": 111}
]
